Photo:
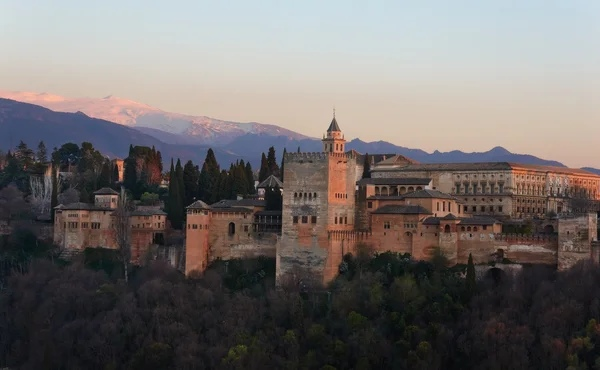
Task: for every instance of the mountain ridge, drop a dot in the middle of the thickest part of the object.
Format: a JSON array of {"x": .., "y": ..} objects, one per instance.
[{"x": 248, "y": 146}]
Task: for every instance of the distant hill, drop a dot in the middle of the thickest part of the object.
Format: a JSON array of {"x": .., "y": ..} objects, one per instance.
[
  {"x": 198, "y": 130},
  {"x": 32, "y": 123}
]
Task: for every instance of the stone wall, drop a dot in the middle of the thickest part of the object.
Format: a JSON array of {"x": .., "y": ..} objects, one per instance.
[{"x": 575, "y": 237}]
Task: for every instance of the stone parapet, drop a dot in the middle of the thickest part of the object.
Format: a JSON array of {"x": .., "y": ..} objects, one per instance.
[
  {"x": 349, "y": 235},
  {"x": 530, "y": 238}
]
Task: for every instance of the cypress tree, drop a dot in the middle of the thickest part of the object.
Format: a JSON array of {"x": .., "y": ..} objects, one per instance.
[
  {"x": 191, "y": 176},
  {"x": 281, "y": 169},
  {"x": 272, "y": 163},
  {"x": 250, "y": 178},
  {"x": 366, "y": 167},
  {"x": 180, "y": 194},
  {"x": 115, "y": 174},
  {"x": 105, "y": 174},
  {"x": 54, "y": 196},
  {"x": 171, "y": 200},
  {"x": 130, "y": 175},
  {"x": 264, "y": 169},
  {"x": 470, "y": 282}
]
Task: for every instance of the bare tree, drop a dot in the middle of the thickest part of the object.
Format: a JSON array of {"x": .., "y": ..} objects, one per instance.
[
  {"x": 122, "y": 230},
  {"x": 41, "y": 193}
]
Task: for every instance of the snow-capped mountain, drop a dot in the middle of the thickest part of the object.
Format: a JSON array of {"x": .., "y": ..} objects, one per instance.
[{"x": 187, "y": 129}]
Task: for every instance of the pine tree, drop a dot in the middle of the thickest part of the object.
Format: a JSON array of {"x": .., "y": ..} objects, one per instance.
[
  {"x": 298, "y": 149},
  {"x": 42, "y": 153},
  {"x": 366, "y": 167},
  {"x": 208, "y": 184},
  {"x": 250, "y": 178},
  {"x": 239, "y": 182},
  {"x": 264, "y": 169},
  {"x": 179, "y": 199},
  {"x": 470, "y": 282},
  {"x": 281, "y": 169}
]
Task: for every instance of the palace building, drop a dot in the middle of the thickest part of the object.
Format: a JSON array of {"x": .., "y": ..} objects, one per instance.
[{"x": 329, "y": 210}]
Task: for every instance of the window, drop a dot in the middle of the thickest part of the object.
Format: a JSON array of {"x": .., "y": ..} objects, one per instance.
[
  {"x": 462, "y": 228},
  {"x": 304, "y": 219},
  {"x": 95, "y": 225},
  {"x": 245, "y": 228},
  {"x": 484, "y": 227},
  {"x": 195, "y": 226},
  {"x": 474, "y": 228},
  {"x": 438, "y": 206},
  {"x": 295, "y": 219},
  {"x": 85, "y": 225},
  {"x": 345, "y": 220},
  {"x": 386, "y": 225},
  {"x": 482, "y": 208},
  {"x": 465, "y": 208},
  {"x": 444, "y": 206},
  {"x": 499, "y": 208},
  {"x": 491, "y": 208},
  {"x": 369, "y": 204},
  {"x": 335, "y": 220},
  {"x": 313, "y": 219},
  {"x": 447, "y": 229},
  {"x": 474, "y": 208},
  {"x": 231, "y": 229}
]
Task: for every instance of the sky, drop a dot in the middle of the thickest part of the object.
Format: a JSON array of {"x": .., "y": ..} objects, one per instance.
[{"x": 435, "y": 75}]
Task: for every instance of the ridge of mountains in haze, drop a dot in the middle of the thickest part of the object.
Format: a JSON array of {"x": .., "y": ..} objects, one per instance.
[{"x": 112, "y": 124}]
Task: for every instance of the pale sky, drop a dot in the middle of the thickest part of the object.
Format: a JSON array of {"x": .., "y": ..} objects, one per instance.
[{"x": 445, "y": 75}]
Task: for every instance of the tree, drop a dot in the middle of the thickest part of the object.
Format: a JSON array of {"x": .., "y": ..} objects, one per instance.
[
  {"x": 272, "y": 163},
  {"x": 264, "y": 169},
  {"x": 250, "y": 178},
  {"x": 56, "y": 185},
  {"x": 12, "y": 204},
  {"x": 209, "y": 179},
  {"x": 130, "y": 173},
  {"x": 24, "y": 155},
  {"x": 104, "y": 180},
  {"x": 122, "y": 230},
  {"x": 470, "y": 282},
  {"x": 42, "y": 153},
  {"x": 41, "y": 194},
  {"x": 281, "y": 169},
  {"x": 366, "y": 167},
  {"x": 115, "y": 174},
  {"x": 191, "y": 178},
  {"x": 70, "y": 195}
]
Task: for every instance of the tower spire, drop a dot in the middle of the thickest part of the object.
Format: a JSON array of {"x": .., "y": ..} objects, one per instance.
[{"x": 334, "y": 111}]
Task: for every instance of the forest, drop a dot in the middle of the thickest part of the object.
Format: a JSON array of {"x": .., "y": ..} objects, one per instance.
[{"x": 383, "y": 311}]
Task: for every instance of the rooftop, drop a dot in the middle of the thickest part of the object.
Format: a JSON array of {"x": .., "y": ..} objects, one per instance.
[
  {"x": 80, "y": 206},
  {"x": 428, "y": 193},
  {"x": 148, "y": 212},
  {"x": 239, "y": 203},
  {"x": 394, "y": 181},
  {"x": 402, "y": 210},
  {"x": 270, "y": 182},
  {"x": 198, "y": 205},
  {"x": 333, "y": 126},
  {"x": 390, "y": 165},
  {"x": 106, "y": 191},
  {"x": 462, "y": 220}
]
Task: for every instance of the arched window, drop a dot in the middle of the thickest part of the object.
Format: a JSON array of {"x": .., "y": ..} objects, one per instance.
[
  {"x": 314, "y": 195},
  {"x": 462, "y": 228},
  {"x": 447, "y": 229},
  {"x": 295, "y": 195},
  {"x": 474, "y": 228},
  {"x": 468, "y": 228},
  {"x": 410, "y": 188},
  {"x": 231, "y": 229}
]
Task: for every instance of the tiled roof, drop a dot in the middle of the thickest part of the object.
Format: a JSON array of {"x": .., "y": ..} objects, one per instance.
[
  {"x": 198, "y": 205},
  {"x": 106, "y": 191},
  {"x": 80, "y": 206},
  {"x": 268, "y": 213},
  {"x": 463, "y": 221},
  {"x": 428, "y": 193},
  {"x": 231, "y": 209},
  {"x": 385, "y": 197},
  {"x": 402, "y": 210},
  {"x": 270, "y": 182},
  {"x": 333, "y": 126},
  {"x": 475, "y": 166},
  {"x": 148, "y": 212},
  {"x": 239, "y": 203},
  {"x": 397, "y": 160},
  {"x": 449, "y": 217},
  {"x": 394, "y": 181}
]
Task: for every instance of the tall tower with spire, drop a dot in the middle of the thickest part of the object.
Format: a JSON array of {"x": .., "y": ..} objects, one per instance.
[{"x": 333, "y": 141}]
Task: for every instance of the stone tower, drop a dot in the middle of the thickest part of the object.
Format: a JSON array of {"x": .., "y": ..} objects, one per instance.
[
  {"x": 196, "y": 237},
  {"x": 318, "y": 199}
]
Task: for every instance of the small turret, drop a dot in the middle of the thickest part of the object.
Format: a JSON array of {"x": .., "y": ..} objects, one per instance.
[{"x": 333, "y": 141}]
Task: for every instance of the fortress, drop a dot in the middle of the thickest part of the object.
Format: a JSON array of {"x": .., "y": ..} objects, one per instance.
[{"x": 330, "y": 210}]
